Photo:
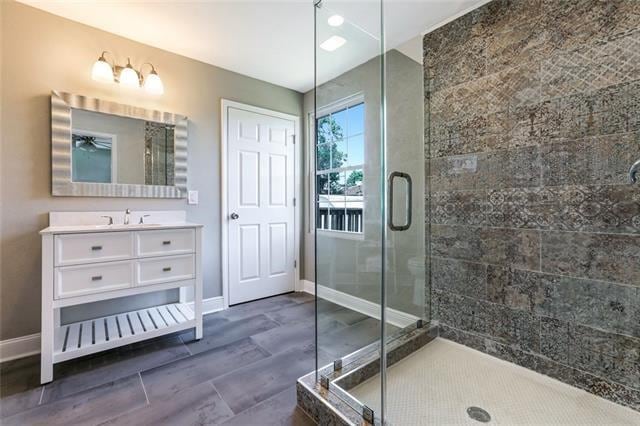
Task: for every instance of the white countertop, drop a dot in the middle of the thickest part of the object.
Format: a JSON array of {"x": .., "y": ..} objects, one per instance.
[{"x": 76, "y": 229}]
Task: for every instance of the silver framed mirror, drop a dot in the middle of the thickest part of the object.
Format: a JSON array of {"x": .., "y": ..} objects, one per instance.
[{"x": 106, "y": 149}]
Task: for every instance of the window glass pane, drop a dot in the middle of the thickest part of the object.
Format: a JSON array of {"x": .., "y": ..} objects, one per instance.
[
  {"x": 323, "y": 128},
  {"x": 356, "y": 150},
  {"x": 339, "y": 124},
  {"x": 336, "y": 185},
  {"x": 323, "y": 156},
  {"x": 356, "y": 120},
  {"x": 354, "y": 204},
  {"x": 339, "y": 154},
  {"x": 322, "y": 196}
]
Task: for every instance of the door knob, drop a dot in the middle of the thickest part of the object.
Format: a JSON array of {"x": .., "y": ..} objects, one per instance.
[{"x": 234, "y": 216}]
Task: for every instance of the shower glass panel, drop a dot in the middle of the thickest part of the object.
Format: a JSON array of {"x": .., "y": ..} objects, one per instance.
[
  {"x": 347, "y": 180},
  {"x": 369, "y": 182}
]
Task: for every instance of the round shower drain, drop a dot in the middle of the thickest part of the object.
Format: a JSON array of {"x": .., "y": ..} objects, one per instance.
[{"x": 478, "y": 414}]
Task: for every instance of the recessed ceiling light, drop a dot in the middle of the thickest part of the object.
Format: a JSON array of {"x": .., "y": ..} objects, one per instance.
[
  {"x": 335, "y": 20},
  {"x": 332, "y": 43}
]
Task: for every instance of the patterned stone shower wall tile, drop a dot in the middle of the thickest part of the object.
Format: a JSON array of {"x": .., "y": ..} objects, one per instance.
[
  {"x": 520, "y": 248},
  {"x": 458, "y": 64},
  {"x": 554, "y": 339},
  {"x": 454, "y": 276},
  {"x": 606, "y": 111},
  {"x": 574, "y": 23},
  {"x": 509, "y": 88},
  {"x": 610, "y": 257},
  {"x": 608, "y": 208},
  {"x": 591, "y": 67},
  {"x": 471, "y": 133},
  {"x": 597, "y": 160},
  {"x": 516, "y": 168},
  {"x": 607, "y": 306}
]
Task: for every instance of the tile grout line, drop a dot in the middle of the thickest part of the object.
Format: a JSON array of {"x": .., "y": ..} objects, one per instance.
[
  {"x": 185, "y": 345},
  {"x": 41, "y": 396},
  {"x": 144, "y": 389}
]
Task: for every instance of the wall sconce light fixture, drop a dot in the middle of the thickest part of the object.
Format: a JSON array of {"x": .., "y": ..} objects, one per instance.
[{"x": 127, "y": 76}]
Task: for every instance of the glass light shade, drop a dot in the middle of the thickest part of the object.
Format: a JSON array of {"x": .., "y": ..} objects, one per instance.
[
  {"x": 335, "y": 20},
  {"x": 129, "y": 77},
  {"x": 153, "y": 84},
  {"x": 332, "y": 43},
  {"x": 102, "y": 71}
]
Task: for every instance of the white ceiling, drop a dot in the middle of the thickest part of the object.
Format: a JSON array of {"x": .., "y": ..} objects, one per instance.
[{"x": 271, "y": 40}]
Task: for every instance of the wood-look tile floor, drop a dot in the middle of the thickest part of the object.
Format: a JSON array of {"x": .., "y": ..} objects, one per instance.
[{"x": 242, "y": 372}]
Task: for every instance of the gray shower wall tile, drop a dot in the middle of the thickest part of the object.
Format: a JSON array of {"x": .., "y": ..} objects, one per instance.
[
  {"x": 607, "y": 306},
  {"x": 573, "y": 23},
  {"x": 603, "y": 160},
  {"x": 516, "y": 168},
  {"x": 509, "y": 88},
  {"x": 591, "y": 66},
  {"x": 609, "y": 257},
  {"x": 460, "y": 277},
  {"x": 500, "y": 323},
  {"x": 598, "y": 208},
  {"x": 519, "y": 248}
]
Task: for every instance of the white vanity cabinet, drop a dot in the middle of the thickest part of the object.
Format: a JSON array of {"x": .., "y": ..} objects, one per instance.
[{"x": 89, "y": 263}]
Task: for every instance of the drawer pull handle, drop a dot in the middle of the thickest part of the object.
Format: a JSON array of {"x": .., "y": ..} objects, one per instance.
[
  {"x": 166, "y": 243},
  {"x": 167, "y": 269},
  {"x": 96, "y": 278},
  {"x": 96, "y": 248}
]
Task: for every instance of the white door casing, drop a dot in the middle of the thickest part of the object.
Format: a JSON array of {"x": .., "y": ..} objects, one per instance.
[{"x": 260, "y": 249}]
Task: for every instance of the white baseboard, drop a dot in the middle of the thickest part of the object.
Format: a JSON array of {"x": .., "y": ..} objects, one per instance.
[
  {"x": 19, "y": 347},
  {"x": 24, "y": 346},
  {"x": 211, "y": 305},
  {"x": 307, "y": 286},
  {"x": 371, "y": 309}
]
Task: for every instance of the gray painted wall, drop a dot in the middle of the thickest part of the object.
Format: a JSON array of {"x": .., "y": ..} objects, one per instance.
[
  {"x": 59, "y": 55},
  {"x": 535, "y": 231}
]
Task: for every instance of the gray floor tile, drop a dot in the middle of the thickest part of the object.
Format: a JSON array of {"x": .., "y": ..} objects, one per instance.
[
  {"x": 191, "y": 371},
  {"x": 280, "y": 409},
  {"x": 19, "y": 402},
  {"x": 93, "y": 406},
  {"x": 244, "y": 388},
  {"x": 84, "y": 374},
  {"x": 197, "y": 405},
  {"x": 286, "y": 337},
  {"x": 246, "y": 310},
  {"x": 229, "y": 332},
  {"x": 349, "y": 339},
  {"x": 294, "y": 314}
]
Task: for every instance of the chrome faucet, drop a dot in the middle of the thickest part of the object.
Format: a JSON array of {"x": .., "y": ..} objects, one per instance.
[
  {"x": 127, "y": 216},
  {"x": 633, "y": 172}
]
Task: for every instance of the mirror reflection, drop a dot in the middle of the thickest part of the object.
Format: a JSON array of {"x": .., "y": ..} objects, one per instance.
[{"x": 108, "y": 148}]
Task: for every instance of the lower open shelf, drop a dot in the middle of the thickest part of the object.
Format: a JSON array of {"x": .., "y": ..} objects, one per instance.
[{"x": 87, "y": 337}]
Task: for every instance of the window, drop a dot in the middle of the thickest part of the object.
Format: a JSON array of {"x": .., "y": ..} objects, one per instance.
[{"x": 340, "y": 168}]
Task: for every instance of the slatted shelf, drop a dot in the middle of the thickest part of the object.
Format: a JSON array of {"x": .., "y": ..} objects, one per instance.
[{"x": 87, "y": 337}]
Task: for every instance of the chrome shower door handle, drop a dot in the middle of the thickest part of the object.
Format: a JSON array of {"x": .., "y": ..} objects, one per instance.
[
  {"x": 409, "y": 205},
  {"x": 633, "y": 172},
  {"x": 234, "y": 216}
]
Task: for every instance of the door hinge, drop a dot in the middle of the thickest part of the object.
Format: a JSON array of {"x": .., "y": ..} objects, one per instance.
[
  {"x": 294, "y": 139},
  {"x": 295, "y": 263},
  {"x": 294, "y": 202}
]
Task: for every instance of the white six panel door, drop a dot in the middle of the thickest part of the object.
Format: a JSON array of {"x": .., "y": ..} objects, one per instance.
[{"x": 260, "y": 192}]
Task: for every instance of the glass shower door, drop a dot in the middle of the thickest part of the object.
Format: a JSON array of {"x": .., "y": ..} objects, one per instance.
[{"x": 368, "y": 180}]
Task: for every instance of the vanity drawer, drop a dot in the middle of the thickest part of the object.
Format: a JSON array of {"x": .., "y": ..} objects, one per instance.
[
  {"x": 165, "y": 269},
  {"x": 71, "y": 249},
  {"x": 165, "y": 242},
  {"x": 70, "y": 281}
]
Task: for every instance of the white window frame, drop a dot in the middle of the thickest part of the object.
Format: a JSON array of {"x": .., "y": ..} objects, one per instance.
[{"x": 347, "y": 102}]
